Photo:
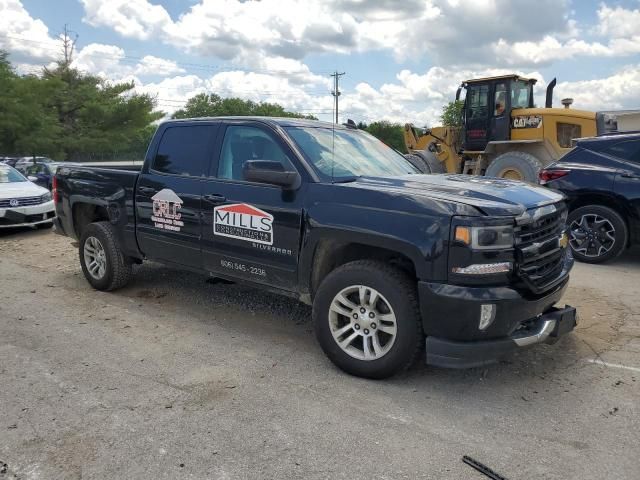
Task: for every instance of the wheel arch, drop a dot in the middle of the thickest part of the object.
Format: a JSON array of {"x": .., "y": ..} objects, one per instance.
[{"x": 331, "y": 253}]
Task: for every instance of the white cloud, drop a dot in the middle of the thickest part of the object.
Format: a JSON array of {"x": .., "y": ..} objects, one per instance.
[
  {"x": 615, "y": 92},
  {"x": 150, "y": 65},
  {"x": 24, "y": 37},
  {"x": 618, "y": 22},
  {"x": 130, "y": 18}
]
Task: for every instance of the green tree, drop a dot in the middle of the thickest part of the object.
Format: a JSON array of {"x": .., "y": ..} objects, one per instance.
[
  {"x": 27, "y": 126},
  {"x": 452, "y": 114},
  {"x": 390, "y": 133},
  {"x": 97, "y": 118},
  {"x": 66, "y": 114},
  {"x": 213, "y": 105}
]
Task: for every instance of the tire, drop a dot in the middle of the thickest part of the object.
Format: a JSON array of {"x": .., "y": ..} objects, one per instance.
[
  {"x": 44, "y": 226},
  {"x": 596, "y": 233},
  {"x": 516, "y": 166},
  {"x": 426, "y": 162},
  {"x": 393, "y": 352},
  {"x": 114, "y": 267}
]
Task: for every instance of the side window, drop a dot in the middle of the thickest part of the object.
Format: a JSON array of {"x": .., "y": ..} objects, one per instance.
[
  {"x": 477, "y": 99},
  {"x": 629, "y": 151},
  {"x": 500, "y": 100},
  {"x": 242, "y": 143},
  {"x": 566, "y": 133},
  {"x": 184, "y": 150}
]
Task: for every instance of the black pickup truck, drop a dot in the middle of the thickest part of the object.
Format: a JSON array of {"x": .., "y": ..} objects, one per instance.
[{"x": 331, "y": 216}]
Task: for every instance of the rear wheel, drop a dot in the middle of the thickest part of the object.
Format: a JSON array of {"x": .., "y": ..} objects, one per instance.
[
  {"x": 596, "y": 233},
  {"x": 104, "y": 265},
  {"x": 515, "y": 166},
  {"x": 366, "y": 319}
]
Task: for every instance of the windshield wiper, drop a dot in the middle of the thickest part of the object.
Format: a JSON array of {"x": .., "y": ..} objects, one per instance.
[{"x": 345, "y": 179}]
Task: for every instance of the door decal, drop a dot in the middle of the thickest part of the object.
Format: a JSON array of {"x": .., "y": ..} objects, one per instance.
[
  {"x": 166, "y": 210},
  {"x": 243, "y": 222}
]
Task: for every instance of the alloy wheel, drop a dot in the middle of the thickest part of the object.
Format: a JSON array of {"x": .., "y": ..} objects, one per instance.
[
  {"x": 95, "y": 258},
  {"x": 362, "y": 322},
  {"x": 592, "y": 235}
]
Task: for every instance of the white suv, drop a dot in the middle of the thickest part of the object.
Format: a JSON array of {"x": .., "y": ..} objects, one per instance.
[{"x": 23, "y": 203}]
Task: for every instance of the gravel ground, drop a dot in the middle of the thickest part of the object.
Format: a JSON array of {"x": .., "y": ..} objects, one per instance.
[{"x": 173, "y": 377}]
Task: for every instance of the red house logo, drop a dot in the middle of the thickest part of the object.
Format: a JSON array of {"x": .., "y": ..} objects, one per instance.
[{"x": 243, "y": 222}]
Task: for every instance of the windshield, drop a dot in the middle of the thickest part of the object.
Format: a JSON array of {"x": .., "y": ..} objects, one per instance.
[
  {"x": 520, "y": 93},
  {"x": 10, "y": 175},
  {"x": 339, "y": 154}
]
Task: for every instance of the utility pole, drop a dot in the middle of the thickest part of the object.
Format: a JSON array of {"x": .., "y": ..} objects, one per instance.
[
  {"x": 68, "y": 45},
  {"x": 336, "y": 90}
]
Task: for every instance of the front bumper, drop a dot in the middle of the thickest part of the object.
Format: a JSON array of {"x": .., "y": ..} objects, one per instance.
[
  {"x": 27, "y": 216},
  {"x": 451, "y": 315},
  {"x": 546, "y": 328}
]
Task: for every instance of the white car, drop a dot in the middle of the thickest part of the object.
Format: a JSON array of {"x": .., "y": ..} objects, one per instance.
[{"x": 22, "y": 202}]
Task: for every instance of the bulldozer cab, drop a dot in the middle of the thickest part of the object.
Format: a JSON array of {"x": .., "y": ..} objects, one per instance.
[{"x": 487, "y": 108}]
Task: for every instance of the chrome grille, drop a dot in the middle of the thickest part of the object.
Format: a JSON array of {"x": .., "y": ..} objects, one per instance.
[
  {"x": 540, "y": 256},
  {"x": 22, "y": 202}
]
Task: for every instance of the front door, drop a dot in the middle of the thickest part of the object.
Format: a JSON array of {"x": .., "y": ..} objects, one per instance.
[
  {"x": 476, "y": 117},
  {"x": 250, "y": 231},
  {"x": 500, "y": 128},
  {"x": 169, "y": 192}
]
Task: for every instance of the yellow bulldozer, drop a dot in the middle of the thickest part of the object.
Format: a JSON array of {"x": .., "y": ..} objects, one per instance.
[{"x": 503, "y": 133}]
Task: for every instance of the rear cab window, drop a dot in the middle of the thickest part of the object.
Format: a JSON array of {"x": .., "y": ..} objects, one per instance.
[{"x": 185, "y": 150}]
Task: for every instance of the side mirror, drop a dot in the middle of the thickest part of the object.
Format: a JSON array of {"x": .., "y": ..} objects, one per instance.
[
  {"x": 270, "y": 172},
  {"x": 32, "y": 178}
]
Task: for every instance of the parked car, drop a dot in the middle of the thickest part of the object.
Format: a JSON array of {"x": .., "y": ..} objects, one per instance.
[
  {"x": 601, "y": 179},
  {"x": 11, "y": 161},
  {"x": 25, "y": 161},
  {"x": 23, "y": 203},
  {"x": 330, "y": 215},
  {"x": 40, "y": 173}
]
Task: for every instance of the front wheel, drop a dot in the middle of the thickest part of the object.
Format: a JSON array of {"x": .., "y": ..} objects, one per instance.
[
  {"x": 596, "y": 233},
  {"x": 104, "y": 265},
  {"x": 367, "y": 320}
]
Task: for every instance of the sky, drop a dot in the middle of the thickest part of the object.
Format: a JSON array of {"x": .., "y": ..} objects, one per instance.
[{"x": 403, "y": 60}]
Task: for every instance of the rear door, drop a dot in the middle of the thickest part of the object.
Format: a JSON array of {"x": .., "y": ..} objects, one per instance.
[
  {"x": 169, "y": 190},
  {"x": 250, "y": 231},
  {"x": 627, "y": 183}
]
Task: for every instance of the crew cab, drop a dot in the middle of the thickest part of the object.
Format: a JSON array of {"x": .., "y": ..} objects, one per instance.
[
  {"x": 333, "y": 217},
  {"x": 601, "y": 179}
]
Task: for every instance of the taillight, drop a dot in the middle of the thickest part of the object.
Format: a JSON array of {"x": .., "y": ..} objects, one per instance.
[
  {"x": 546, "y": 176},
  {"x": 54, "y": 189}
]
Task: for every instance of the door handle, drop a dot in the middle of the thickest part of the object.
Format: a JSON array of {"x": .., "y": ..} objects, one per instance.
[
  {"x": 630, "y": 175},
  {"x": 146, "y": 190},
  {"x": 214, "y": 198}
]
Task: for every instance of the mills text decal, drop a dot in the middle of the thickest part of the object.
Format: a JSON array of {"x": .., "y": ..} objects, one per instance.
[
  {"x": 166, "y": 210},
  {"x": 243, "y": 222}
]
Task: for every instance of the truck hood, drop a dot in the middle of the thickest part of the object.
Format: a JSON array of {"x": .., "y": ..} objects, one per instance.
[{"x": 492, "y": 196}]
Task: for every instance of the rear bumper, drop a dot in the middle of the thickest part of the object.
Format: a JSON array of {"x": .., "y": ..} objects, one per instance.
[{"x": 546, "y": 328}]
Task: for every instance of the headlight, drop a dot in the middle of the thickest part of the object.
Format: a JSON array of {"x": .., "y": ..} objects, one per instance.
[
  {"x": 46, "y": 197},
  {"x": 486, "y": 238}
]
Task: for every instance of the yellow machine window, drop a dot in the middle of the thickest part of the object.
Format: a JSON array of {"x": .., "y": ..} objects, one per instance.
[
  {"x": 567, "y": 132},
  {"x": 500, "y": 99},
  {"x": 478, "y": 99}
]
